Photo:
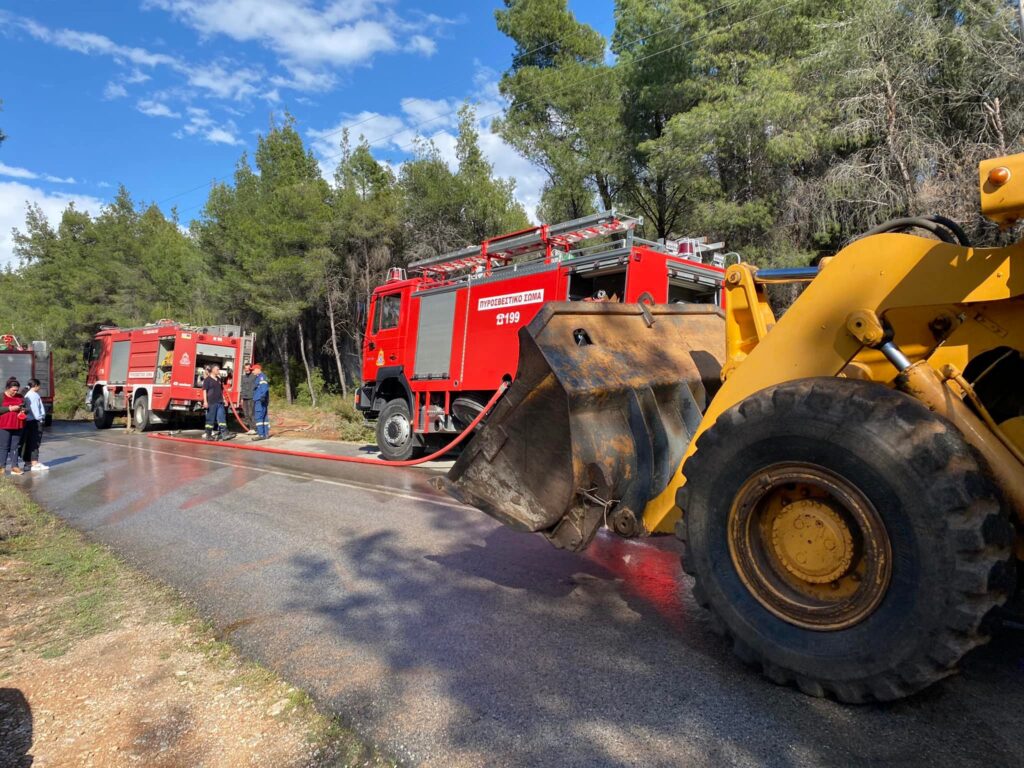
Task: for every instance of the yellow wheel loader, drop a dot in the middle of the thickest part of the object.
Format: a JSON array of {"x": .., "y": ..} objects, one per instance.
[{"x": 847, "y": 480}]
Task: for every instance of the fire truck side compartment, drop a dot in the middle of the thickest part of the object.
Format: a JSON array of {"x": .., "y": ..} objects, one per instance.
[
  {"x": 434, "y": 339},
  {"x": 119, "y": 362},
  {"x": 18, "y": 365}
]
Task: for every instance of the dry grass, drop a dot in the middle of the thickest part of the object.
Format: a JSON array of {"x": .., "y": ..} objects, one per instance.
[{"x": 102, "y": 666}]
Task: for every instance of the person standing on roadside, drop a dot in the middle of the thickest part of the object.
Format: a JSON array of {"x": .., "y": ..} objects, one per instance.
[
  {"x": 248, "y": 384},
  {"x": 213, "y": 402},
  {"x": 261, "y": 401},
  {"x": 32, "y": 428},
  {"x": 12, "y": 416}
]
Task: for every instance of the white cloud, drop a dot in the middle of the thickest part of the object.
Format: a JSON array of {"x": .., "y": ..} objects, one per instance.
[
  {"x": 422, "y": 44},
  {"x": 222, "y": 136},
  {"x": 13, "y": 199},
  {"x": 380, "y": 131},
  {"x": 155, "y": 109},
  {"x": 224, "y": 83},
  {"x": 201, "y": 124},
  {"x": 91, "y": 43},
  {"x": 342, "y": 34},
  {"x": 114, "y": 91},
  {"x": 136, "y": 76},
  {"x": 308, "y": 38},
  {"x": 16, "y": 173},
  {"x": 436, "y": 113},
  {"x": 302, "y": 79},
  {"x": 219, "y": 79},
  {"x": 436, "y": 119},
  {"x": 13, "y": 172}
]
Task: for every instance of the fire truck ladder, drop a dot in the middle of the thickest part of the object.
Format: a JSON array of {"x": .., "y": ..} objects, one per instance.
[{"x": 545, "y": 240}]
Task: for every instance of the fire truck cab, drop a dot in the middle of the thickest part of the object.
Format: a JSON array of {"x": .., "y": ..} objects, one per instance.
[
  {"x": 24, "y": 363},
  {"x": 438, "y": 344},
  {"x": 157, "y": 370}
]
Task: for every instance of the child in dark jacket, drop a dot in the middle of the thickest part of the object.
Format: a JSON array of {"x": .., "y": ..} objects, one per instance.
[{"x": 12, "y": 416}]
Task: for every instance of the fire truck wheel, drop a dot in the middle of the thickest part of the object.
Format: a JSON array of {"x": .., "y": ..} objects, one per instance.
[
  {"x": 140, "y": 412},
  {"x": 101, "y": 417},
  {"x": 395, "y": 438}
]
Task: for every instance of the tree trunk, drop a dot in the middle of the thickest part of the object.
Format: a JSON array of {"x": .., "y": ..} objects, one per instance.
[
  {"x": 604, "y": 191},
  {"x": 890, "y": 139},
  {"x": 334, "y": 342},
  {"x": 282, "y": 350},
  {"x": 305, "y": 364}
]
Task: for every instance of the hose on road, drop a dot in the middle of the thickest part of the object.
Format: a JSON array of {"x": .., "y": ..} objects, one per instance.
[{"x": 347, "y": 459}]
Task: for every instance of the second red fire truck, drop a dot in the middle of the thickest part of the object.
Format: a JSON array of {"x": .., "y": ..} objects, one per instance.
[
  {"x": 28, "y": 362},
  {"x": 439, "y": 344},
  {"x": 156, "y": 371}
]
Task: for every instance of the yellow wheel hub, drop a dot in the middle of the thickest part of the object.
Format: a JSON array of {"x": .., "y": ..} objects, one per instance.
[
  {"x": 812, "y": 542},
  {"x": 809, "y": 546}
]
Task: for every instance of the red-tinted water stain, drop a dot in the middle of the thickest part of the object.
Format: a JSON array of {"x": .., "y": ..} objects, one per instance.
[
  {"x": 646, "y": 572},
  {"x": 159, "y": 476}
]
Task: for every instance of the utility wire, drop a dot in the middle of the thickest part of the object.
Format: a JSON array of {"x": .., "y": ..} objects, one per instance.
[
  {"x": 455, "y": 112},
  {"x": 572, "y": 86}
]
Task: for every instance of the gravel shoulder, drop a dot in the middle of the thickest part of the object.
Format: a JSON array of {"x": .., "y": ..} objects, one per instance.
[{"x": 100, "y": 665}]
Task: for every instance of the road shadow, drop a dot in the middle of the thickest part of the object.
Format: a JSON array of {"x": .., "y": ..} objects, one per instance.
[
  {"x": 62, "y": 460},
  {"x": 16, "y": 729},
  {"x": 603, "y": 659}
]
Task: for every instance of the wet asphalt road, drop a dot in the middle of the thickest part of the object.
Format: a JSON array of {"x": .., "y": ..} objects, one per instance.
[{"x": 451, "y": 641}]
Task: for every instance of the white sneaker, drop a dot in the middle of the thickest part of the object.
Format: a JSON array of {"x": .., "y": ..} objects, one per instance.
[{"x": 40, "y": 467}]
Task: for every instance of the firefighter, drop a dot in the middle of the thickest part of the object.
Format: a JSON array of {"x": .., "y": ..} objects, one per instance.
[
  {"x": 261, "y": 401},
  {"x": 213, "y": 401}
]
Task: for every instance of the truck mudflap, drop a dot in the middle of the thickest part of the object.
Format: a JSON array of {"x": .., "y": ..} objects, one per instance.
[{"x": 602, "y": 409}]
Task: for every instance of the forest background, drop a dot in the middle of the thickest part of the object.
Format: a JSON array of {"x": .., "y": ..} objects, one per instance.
[{"x": 782, "y": 128}]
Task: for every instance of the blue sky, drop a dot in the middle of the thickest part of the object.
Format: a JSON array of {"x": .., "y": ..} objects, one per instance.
[{"x": 164, "y": 95}]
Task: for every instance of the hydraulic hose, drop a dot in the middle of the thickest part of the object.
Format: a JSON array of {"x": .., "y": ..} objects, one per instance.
[
  {"x": 350, "y": 459},
  {"x": 942, "y": 227}
]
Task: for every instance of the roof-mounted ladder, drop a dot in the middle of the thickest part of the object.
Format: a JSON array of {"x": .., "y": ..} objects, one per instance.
[{"x": 543, "y": 240}]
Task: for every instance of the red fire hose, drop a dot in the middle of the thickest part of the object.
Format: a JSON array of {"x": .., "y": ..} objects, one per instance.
[{"x": 348, "y": 459}]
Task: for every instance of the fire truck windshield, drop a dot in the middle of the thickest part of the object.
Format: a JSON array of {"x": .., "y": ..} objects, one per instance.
[{"x": 387, "y": 312}]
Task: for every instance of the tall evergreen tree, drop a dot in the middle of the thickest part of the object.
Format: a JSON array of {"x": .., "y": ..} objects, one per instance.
[{"x": 564, "y": 104}]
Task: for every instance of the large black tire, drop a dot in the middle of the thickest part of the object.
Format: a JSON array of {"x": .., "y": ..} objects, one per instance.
[
  {"x": 950, "y": 541},
  {"x": 101, "y": 417},
  {"x": 395, "y": 438},
  {"x": 140, "y": 413}
]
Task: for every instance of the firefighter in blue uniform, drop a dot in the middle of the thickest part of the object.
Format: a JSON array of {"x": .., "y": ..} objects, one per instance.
[{"x": 261, "y": 401}]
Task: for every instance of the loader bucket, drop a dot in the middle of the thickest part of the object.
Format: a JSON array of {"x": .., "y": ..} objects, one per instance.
[{"x": 602, "y": 408}]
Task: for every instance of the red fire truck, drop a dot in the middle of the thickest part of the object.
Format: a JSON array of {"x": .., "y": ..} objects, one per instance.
[
  {"x": 439, "y": 344},
  {"x": 24, "y": 363},
  {"x": 157, "y": 370}
]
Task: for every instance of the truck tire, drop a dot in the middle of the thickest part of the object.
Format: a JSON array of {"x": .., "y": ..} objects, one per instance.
[
  {"x": 101, "y": 417},
  {"x": 845, "y": 538},
  {"x": 395, "y": 438},
  {"x": 140, "y": 413}
]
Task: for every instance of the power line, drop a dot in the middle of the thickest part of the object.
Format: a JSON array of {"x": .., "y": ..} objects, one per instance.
[
  {"x": 455, "y": 112},
  {"x": 594, "y": 76},
  {"x": 663, "y": 51}
]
